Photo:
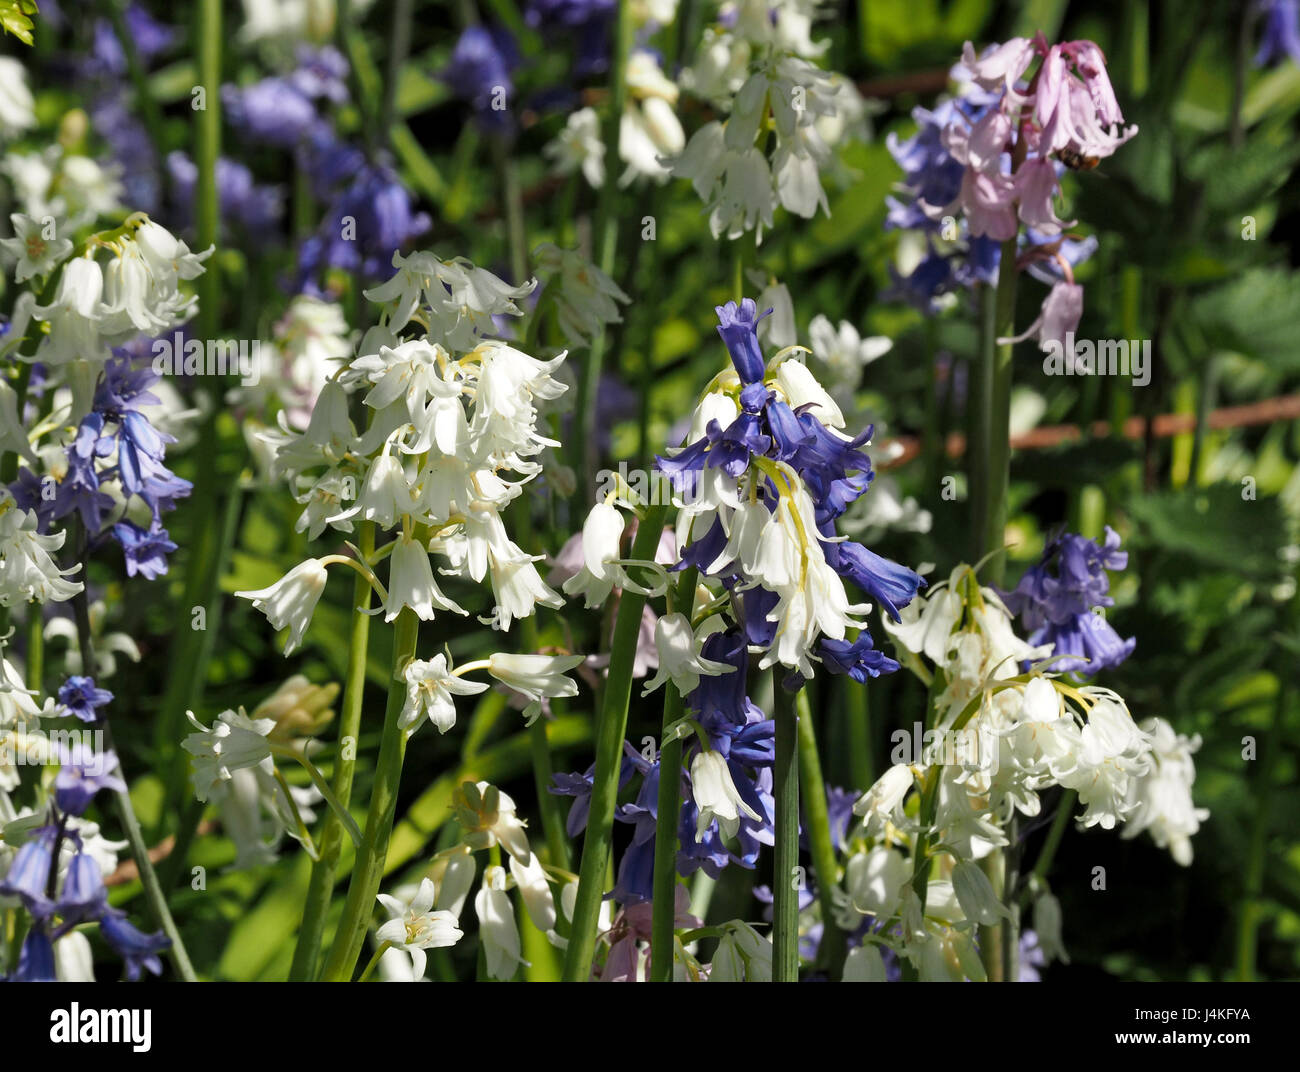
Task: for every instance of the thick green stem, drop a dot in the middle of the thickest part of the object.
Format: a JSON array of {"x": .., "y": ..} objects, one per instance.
[
  {"x": 832, "y": 950},
  {"x": 998, "y": 427},
  {"x": 855, "y": 708},
  {"x": 399, "y": 46},
  {"x": 321, "y": 884},
  {"x": 36, "y": 648},
  {"x": 368, "y": 869},
  {"x": 610, "y": 732},
  {"x": 664, "y": 904},
  {"x": 207, "y": 147},
  {"x": 785, "y": 872}
]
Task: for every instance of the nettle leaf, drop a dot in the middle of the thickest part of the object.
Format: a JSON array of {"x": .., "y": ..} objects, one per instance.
[
  {"x": 1215, "y": 526},
  {"x": 1254, "y": 314}
]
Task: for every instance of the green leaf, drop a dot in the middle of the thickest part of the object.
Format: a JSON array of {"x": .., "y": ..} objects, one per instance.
[{"x": 1214, "y": 526}]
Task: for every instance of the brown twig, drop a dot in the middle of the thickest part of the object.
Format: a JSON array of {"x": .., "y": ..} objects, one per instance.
[
  {"x": 1285, "y": 408},
  {"x": 127, "y": 871}
]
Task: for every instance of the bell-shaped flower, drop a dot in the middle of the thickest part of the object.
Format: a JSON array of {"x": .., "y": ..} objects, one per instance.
[
  {"x": 430, "y": 686},
  {"x": 233, "y": 742},
  {"x": 291, "y": 601},
  {"x": 681, "y": 653},
  {"x": 415, "y": 926},
  {"x": 716, "y": 796}
]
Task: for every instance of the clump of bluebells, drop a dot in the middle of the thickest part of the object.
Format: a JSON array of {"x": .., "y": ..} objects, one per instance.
[
  {"x": 57, "y": 876},
  {"x": 1059, "y": 602},
  {"x": 115, "y": 445}
]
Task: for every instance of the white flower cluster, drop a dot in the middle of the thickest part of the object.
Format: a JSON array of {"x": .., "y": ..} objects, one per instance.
[
  {"x": 1024, "y": 732},
  {"x": 428, "y": 917},
  {"x": 756, "y": 66},
  {"x": 649, "y": 131},
  {"x": 452, "y": 440},
  {"x": 96, "y": 306},
  {"x": 28, "y": 571}
]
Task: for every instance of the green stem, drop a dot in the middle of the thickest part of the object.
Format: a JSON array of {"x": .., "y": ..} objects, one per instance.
[
  {"x": 1251, "y": 906},
  {"x": 856, "y": 709},
  {"x": 153, "y": 893},
  {"x": 998, "y": 428},
  {"x": 832, "y": 950},
  {"x": 785, "y": 891},
  {"x": 399, "y": 46},
  {"x": 369, "y": 865},
  {"x": 610, "y": 732},
  {"x": 1047, "y": 854},
  {"x": 36, "y": 648},
  {"x": 664, "y": 903},
  {"x": 374, "y": 961},
  {"x": 207, "y": 147},
  {"x": 144, "y": 99},
  {"x": 321, "y": 884}
]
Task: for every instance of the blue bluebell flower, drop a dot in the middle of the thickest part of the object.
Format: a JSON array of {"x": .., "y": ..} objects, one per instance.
[
  {"x": 36, "y": 959},
  {"x": 29, "y": 874},
  {"x": 586, "y": 23},
  {"x": 834, "y": 469},
  {"x": 383, "y": 218},
  {"x": 82, "y": 698},
  {"x": 1281, "y": 35},
  {"x": 139, "y": 950},
  {"x": 1057, "y": 599},
  {"x": 273, "y": 111},
  {"x": 254, "y": 209},
  {"x": 479, "y": 71},
  {"x": 84, "y": 896},
  {"x": 145, "y": 551},
  {"x": 83, "y": 773}
]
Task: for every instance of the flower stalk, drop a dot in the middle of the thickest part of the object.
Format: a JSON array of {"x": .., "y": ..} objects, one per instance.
[
  {"x": 367, "y": 871},
  {"x": 610, "y": 731}
]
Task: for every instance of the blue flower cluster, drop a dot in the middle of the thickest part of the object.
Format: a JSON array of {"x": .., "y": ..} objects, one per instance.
[
  {"x": 834, "y": 469},
  {"x": 114, "y": 429},
  {"x": 104, "y": 75},
  {"x": 738, "y": 730},
  {"x": 61, "y": 885},
  {"x": 479, "y": 71},
  {"x": 1057, "y": 607}
]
